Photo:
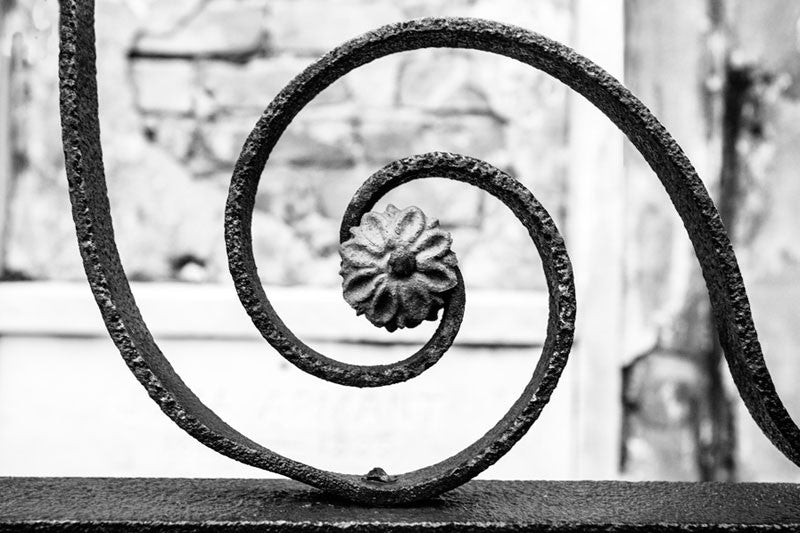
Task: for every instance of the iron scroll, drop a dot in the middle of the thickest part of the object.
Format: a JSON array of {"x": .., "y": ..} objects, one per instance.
[{"x": 91, "y": 213}]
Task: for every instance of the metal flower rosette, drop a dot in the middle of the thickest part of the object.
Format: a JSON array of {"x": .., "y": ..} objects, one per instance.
[{"x": 398, "y": 268}]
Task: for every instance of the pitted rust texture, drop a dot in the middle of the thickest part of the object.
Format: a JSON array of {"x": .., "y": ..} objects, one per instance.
[
  {"x": 275, "y": 505},
  {"x": 108, "y": 282}
]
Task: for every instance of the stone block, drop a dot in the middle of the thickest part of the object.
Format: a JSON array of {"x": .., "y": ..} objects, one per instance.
[
  {"x": 389, "y": 134},
  {"x": 481, "y": 81},
  {"x": 470, "y": 81},
  {"x": 161, "y": 213},
  {"x": 282, "y": 257},
  {"x": 293, "y": 193},
  {"x": 401, "y": 133},
  {"x": 164, "y": 86},
  {"x": 256, "y": 83},
  {"x": 442, "y": 80},
  {"x": 486, "y": 82},
  {"x": 537, "y": 154},
  {"x": 478, "y": 136},
  {"x": 375, "y": 85},
  {"x": 454, "y": 204},
  {"x": 312, "y": 26},
  {"x": 219, "y": 28},
  {"x": 443, "y": 8},
  {"x": 174, "y": 134},
  {"x": 553, "y": 18},
  {"x": 41, "y": 236},
  {"x": 294, "y": 241},
  {"x": 306, "y": 143},
  {"x": 395, "y": 135},
  {"x": 517, "y": 92},
  {"x": 224, "y": 136},
  {"x": 317, "y": 143},
  {"x": 498, "y": 254}
]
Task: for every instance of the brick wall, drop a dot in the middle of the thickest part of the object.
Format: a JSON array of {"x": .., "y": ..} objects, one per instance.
[{"x": 183, "y": 82}]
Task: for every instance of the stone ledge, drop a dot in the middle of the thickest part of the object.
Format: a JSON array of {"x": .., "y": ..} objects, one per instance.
[
  {"x": 204, "y": 312},
  {"x": 142, "y": 504}
]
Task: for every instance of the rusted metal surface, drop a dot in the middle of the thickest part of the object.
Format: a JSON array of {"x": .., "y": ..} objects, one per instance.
[
  {"x": 132, "y": 337},
  {"x": 139, "y": 505}
]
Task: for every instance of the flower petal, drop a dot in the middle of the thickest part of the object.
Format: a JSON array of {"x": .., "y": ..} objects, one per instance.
[
  {"x": 384, "y": 304},
  {"x": 437, "y": 276},
  {"x": 433, "y": 244},
  {"x": 361, "y": 284},
  {"x": 358, "y": 254},
  {"x": 409, "y": 225},
  {"x": 372, "y": 229},
  {"x": 449, "y": 259},
  {"x": 437, "y": 304},
  {"x": 415, "y": 299},
  {"x": 358, "y": 237}
]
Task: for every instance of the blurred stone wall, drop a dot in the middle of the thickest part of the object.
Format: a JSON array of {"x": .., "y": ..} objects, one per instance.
[
  {"x": 182, "y": 83},
  {"x": 723, "y": 76}
]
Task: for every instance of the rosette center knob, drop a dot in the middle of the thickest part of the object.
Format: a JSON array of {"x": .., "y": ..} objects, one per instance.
[
  {"x": 402, "y": 263},
  {"x": 397, "y": 267}
]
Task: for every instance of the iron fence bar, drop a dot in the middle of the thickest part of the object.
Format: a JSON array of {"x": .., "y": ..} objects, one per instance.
[{"x": 237, "y": 505}]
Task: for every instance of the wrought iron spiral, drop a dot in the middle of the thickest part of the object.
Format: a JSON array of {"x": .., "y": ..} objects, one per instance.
[{"x": 128, "y": 330}]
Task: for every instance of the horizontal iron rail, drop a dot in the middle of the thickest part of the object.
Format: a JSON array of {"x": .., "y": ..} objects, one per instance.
[{"x": 152, "y": 504}]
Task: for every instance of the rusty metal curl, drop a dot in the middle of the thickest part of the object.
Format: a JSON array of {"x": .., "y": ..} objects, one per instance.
[{"x": 91, "y": 213}]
